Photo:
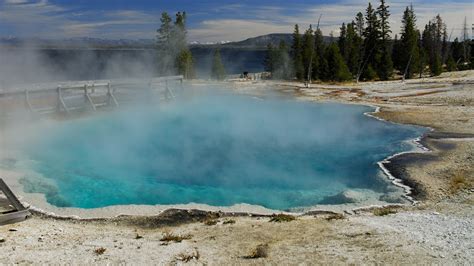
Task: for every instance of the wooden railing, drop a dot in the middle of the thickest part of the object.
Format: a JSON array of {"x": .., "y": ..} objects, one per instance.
[{"x": 68, "y": 97}]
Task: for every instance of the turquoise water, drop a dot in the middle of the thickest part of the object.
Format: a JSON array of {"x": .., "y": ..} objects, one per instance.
[{"x": 219, "y": 150}]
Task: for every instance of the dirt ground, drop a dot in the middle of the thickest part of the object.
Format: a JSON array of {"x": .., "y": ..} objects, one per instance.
[{"x": 437, "y": 230}]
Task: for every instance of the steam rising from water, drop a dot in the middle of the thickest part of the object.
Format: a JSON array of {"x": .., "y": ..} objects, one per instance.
[{"x": 219, "y": 150}]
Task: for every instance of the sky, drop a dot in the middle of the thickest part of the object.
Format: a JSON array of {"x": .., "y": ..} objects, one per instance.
[{"x": 208, "y": 20}]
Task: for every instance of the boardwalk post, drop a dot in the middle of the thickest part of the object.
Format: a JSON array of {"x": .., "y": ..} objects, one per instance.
[
  {"x": 89, "y": 99},
  {"x": 61, "y": 102},
  {"x": 27, "y": 101},
  {"x": 110, "y": 95},
  {"x": 19, "y": 214}
]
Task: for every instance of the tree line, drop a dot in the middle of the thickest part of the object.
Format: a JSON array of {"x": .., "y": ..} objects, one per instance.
[
  {"x": 174, "y": 55},
  {"x": 365, "y": 50}
]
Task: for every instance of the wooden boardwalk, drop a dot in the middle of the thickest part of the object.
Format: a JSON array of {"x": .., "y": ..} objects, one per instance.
[{"x": 68, "y": 97}]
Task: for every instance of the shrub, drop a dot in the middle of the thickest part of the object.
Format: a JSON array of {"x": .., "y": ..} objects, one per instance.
[
  {"x": 261, "y": 251},
  {"x": 210, "y": 222},
  {"x": 278, "y": 218},
  {"x": 170, "y": 237},
  {"x": 100, "y": 251},
  {"x": 384, "y": 211},
  {"x": 230, "y": 221}
]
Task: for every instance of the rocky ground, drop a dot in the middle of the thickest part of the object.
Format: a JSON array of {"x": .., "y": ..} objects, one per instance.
[{"x": 437, "y": 230}]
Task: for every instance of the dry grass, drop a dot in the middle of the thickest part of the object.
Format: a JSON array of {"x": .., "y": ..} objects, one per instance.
[
  {"x": 261, "y": 251},
  {"x": 279, "y": 218},
  {"x": 230, "y": 221},
  {"x": 211, "y": 222},
  {"x": 335, "y": 216},
  {"x": 384, "y": 211},
  {"x": 100, "y": 251},
  {"x": 184, "y": 257},
  {"x": 170, "y": 237},
  {"x": 458, "y": 182}
]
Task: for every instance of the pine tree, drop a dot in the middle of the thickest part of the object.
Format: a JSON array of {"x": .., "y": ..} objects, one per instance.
[
  {"x": 360, "y": 24},
  {"x": 466, "y": 42},
  {"x": 269, "y": 64},
  {"x": 218, "y": 70},
  {"x": 278, "y": 62},
  {"x": 354, "y": 46},
  {"x": 371, "y": 43},
  {"x": 308, "y": 52},
  {"x": 283, "y": 69},
  {"x": 384, "y": 64},
  {"x": 409, "y": 55},
  {"x": 174, "y": 55},
  {"x": 396, "y": 53},
  {"x": 164, "y": 46},
  {"x": 457, "y": 51},
  {"x": 343, "y": 42},
  {"x": 432, "y": 44},
  {"x": 337, "y": 68},
  {"x": 184, "y": 59},
  {"x": 349, "y": 44},
  {"x": 297, "y": 54},
  {"x": 319, "y": 61}
]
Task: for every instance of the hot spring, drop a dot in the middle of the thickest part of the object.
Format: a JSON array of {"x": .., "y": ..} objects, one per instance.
[{"x": 218, "y": 150}]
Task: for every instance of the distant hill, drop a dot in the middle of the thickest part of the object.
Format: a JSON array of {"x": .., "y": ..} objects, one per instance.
[
  {"x": 79, "y": 43},
  {"x": 264, "y": 40},
  {"x": 259, "y": 42}
]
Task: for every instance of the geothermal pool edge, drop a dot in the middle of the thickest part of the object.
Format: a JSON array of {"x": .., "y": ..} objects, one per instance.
[{"x": 38, "y": 203}]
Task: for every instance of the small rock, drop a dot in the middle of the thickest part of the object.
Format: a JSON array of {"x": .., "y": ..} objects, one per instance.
[
  {"x": 2, "y": 240},
  {"x": 12, "y": 230}
]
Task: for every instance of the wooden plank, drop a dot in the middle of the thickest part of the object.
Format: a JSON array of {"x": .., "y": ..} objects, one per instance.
[
  {"x": 89, "y": 99},
  {"x": 10, "y": 196},
  {"x": 61, "y": 101},
  {"x": 27, "y": 100},
  {"x": 14, "y": 217}
]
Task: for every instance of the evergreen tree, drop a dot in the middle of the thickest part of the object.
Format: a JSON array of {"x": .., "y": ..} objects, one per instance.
[
  {"x": 360, "y": 24},
  {"x": 457, "y": 51},
  {"x": 297, "y": 54},
  {"x": 184, "y": 60},
  {"x": 396, "y": 53},
  {"x": 269, "y": 61},
  {"x": 218, "y": 70},
  {"x": 409, "y": 55},
  {"x": 343, "y": 42},
  {"x": 174, "y": 55},
  {"x": 467, "y": 43},
  {"x": 278, "y": 62},
  {"x": 432, "y": 44},
  {"x": 319, "y": 60},
  {"x": 350, "y": 46},
  {"x": 283, "y": 71},
  {"x": 337, "y": 68},
  {"x": 354, "y": 45},
  {"x": 450, "y": 63},
  {"x": 371, "y": 42},
  {"x": 384, "y": 64},
  {"x": 445, "y": 45},
  {"x": 308, "y": 52},
  {"x": 165, "y": 61}
]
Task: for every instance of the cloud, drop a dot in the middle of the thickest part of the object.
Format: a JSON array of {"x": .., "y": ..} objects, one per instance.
[
  {"x": 219, "y": 22},
  {"x": 273, "y": 19},
  {"x": 43, "y": 19}
]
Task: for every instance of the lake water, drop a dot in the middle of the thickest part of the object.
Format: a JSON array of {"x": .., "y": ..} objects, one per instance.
[{"x": 219, "y": 150}]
